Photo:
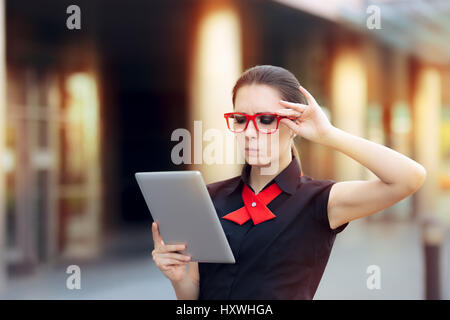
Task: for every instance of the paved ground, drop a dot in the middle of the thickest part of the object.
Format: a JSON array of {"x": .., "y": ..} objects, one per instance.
[{"x": 126, "y": 271}]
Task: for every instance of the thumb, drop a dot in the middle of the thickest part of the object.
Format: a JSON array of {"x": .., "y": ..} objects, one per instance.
[
  {"x": 156, "y": 235},
  {"x": 291, "y": 125}
]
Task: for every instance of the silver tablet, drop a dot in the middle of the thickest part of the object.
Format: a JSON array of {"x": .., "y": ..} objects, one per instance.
[{"x": 179, "y": 201}]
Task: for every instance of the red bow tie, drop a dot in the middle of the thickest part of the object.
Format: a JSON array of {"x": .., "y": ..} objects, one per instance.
[{"x": 255, "y": 205}]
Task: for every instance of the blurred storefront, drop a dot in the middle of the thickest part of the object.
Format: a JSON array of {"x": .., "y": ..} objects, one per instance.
[{"x": 53, "y": 185}]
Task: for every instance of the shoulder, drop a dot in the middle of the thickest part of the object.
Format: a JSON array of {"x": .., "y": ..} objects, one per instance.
[
  {"x": 216, "y": 187},
  {"x": 317, "y": 193},
  {"x": 315, "y": 187}
]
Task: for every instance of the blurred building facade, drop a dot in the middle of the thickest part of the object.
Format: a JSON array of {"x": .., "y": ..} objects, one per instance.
[{"x": 85, "y": 109}]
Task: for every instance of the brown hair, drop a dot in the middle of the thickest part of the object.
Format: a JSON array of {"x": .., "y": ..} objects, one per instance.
[{"x": 277, "y": 77}]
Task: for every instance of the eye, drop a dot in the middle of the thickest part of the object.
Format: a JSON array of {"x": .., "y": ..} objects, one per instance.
[
  {"x": 266, "y": 119},
  {"x": 239, "y": 118}
]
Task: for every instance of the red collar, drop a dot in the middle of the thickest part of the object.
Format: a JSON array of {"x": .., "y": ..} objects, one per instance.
[{"x": 255, "y": 205}]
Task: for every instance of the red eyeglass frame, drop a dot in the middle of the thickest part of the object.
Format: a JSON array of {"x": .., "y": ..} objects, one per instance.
[{"x": 252, "y": 117}]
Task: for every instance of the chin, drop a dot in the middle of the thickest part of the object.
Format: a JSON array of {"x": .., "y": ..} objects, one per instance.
[{"x": 256, "y": 160}]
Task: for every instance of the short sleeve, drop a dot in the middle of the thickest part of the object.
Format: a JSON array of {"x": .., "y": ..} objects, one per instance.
[
  {"x": 321, "y": 205},
  {"x": 208, "y": 188}
]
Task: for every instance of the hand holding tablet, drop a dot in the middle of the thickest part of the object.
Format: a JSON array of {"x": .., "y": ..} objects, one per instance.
[
  {"x": 180, "y": 203},
  {"x": 167, "y": 257}
]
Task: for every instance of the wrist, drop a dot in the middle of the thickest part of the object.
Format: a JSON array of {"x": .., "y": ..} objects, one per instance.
[
  {"x": 329, "y": 135},
  {"x": 180, "y": 282}
]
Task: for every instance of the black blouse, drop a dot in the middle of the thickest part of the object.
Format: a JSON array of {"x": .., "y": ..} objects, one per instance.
[{"x": 282, "y": 258}]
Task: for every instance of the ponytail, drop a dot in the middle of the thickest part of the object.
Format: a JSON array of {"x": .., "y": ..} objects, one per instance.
[{"x": 297, "y": 156}]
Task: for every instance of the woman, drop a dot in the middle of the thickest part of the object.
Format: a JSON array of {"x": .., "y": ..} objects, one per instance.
[{"x": 281, "y": 226}]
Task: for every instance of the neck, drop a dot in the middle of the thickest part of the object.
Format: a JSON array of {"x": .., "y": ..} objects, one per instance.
[{"x": 258, "y": 180}]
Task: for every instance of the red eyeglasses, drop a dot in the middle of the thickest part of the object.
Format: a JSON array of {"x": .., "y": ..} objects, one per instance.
[{"x": 264, "y": 122}]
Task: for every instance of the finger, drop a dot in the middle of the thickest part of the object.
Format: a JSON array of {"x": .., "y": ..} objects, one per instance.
[
  {"x": 307, "y": 95},
  {"x": 157, "y": 240},
  {"x": 289, "y": 112},
  {"x": 290, "y": 124},
  {"x": 168, "y": 262},
  {"x": 296, "y": 106},
  {"x": 176, "y": 256},
  {"x": 169, "y": 267},
  {"x": 173, "y": 247}
]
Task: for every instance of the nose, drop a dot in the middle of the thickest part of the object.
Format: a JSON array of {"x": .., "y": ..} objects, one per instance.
[{"x": 251, "y": 131}]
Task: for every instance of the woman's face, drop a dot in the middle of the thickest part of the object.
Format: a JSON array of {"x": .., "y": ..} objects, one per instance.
[{"x": 261, "y": 149}]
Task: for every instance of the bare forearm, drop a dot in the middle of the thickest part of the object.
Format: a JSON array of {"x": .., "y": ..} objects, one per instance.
[
  {"x": 388, "y": 165},
  {"x": 186, "y": 289}
]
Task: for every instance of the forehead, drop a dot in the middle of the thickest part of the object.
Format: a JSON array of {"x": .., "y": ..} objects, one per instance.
[{"x": 256, "y": 98}]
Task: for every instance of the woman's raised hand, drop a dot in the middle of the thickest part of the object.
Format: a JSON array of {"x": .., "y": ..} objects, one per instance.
[
  {"x": 171, "y": 263},
  {"x": 310, "y": 122}
]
